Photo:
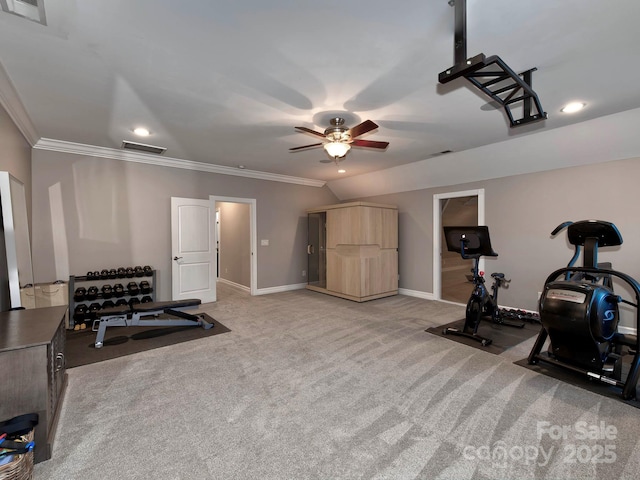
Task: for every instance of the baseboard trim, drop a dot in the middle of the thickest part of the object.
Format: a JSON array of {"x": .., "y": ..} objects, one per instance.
[
  {"x": 416, "y": 293},
  {"x": 234, "y": 284},
  {"x": 280, "y": 289}
]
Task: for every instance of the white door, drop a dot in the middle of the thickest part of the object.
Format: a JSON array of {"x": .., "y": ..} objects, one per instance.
[{"x": 192, "y": 250}]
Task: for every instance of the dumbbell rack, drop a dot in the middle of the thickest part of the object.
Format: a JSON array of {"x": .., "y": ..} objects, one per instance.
[{"x": 99, "y": 282}]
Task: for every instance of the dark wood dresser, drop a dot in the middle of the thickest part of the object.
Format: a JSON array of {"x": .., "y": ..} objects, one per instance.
[{"x": 32, "y": 369}]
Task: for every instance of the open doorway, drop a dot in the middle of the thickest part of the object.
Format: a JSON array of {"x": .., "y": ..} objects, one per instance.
[
  {"x": 450, "y": 271},
  {"x": 455, "y": 271},
  {"x": 235, "y": 222}
]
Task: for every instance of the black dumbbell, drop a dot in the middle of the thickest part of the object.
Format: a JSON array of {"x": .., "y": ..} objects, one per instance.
[
  {"x": 92, "y": 292},
  {"x": 130, "y": 272},
  {"x": 145, "y": 287},
  {"x": 79, "y": 313},
  {"x": 113, "y": 273},
  {"x": 94, "y": 308},
  {"x": 146, "y": 299},
  {"x": 104, "y": 274},
  {"x": 138, "y": 271},
  {"x": 134, "y": 301},
  {"x": 79, "y": 294},
  {"x": 108, "y": 304},
  {"x": 121, "y": 302},
  {"x": 133, "y": 288},
  {"x": 118, "y": 290},
  {"x": 148, "y": 271},
  {"x": 107, "y": 291},
  {"x": 122, "y": 272}
]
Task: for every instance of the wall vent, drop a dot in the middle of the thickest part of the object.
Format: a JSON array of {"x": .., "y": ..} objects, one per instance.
[
  {"x": 29, "y": 9},
  {"x": 141, "y": 147},
  {"x": 443, "y": 152}
]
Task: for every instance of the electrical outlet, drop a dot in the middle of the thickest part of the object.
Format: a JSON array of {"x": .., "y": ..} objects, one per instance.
[{"x": 304, "y": 273}]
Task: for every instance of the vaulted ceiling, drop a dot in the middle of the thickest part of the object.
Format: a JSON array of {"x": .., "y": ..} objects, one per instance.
[{"x": 225, "y": 83}]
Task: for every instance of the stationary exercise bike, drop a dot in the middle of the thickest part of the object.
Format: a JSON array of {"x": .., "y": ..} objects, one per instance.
[
  {"x": 580, "y": 315},
  {"x": 474, "y": 243}
]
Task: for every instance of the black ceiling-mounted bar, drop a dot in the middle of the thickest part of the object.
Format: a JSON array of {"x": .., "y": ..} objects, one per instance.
[{"x": 492, "y": 75}]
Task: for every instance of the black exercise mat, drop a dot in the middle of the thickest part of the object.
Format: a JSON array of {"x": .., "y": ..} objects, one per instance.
[
  {"x": 120, "y": 341},
  {"x": 503, "y": 337},
  {"x": 578, "y": 380}
]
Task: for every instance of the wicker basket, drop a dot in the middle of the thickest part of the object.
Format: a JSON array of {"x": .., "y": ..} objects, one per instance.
[{"x": 21, "y": 467}]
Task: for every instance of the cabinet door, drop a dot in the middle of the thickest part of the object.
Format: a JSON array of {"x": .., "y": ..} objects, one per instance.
[
  {"x": 389, "y": 229},
  {"x": 342, "y": 227},
  {"x": 343, "y": 270},
  {"x": 380, "y": 273},
  {"x": 59, "y": 362},
  {"x": 362, "y": 225}
]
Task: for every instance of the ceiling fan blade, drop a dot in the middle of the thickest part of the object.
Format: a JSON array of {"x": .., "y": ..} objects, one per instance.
[
  {"x": 362, "y": 128},
  {"x": 370, "y": 144},
  {"x": 305, "y": 146},
  {"x": 308, "y": 130}
]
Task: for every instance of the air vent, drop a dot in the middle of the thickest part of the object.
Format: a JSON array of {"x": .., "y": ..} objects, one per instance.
[
  {"x": 141, "y": 147},
  {"x": 443, "y": 152},
  {"x": 30, "y": 9}
]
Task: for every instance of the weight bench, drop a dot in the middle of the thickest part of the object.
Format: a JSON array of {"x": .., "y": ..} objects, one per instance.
[{"x": 132, "y": 316}]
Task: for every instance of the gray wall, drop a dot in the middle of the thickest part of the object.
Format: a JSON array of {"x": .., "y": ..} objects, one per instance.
[
  {"x": 15, "y": 158},
  {"x": 15, "y": 154},
  {"x": 235, "y": 242},
  {"x": 117, "y": 213},
  {"x": 521, "y": 211}
]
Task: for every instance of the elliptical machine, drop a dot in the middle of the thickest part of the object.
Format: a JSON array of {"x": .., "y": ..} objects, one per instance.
[
  {"x": 579, "y": 312},
  {"x": 473, "y": 243}
]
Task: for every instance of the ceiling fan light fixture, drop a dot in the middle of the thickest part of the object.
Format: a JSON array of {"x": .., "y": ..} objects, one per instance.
[{"x": 337, "y": 149}]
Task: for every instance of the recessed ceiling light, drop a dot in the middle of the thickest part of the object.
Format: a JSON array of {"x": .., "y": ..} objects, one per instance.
[
  {"x": 30, "y": 9},
  {"x": 141, "y": 132},
  {"x": 573, "y": 107},
  {"x": 342, "y": 170}
]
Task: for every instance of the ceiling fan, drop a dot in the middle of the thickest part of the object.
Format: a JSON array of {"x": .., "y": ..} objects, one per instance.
[{"x": 338, "y": 139}]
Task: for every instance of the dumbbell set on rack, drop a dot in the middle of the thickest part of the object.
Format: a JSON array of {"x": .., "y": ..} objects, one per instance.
[
  {"x": 122, "y": 272},
  {"x": 88, "y": 301}
]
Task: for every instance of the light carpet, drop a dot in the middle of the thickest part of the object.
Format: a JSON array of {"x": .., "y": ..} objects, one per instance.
[{"x": 308, "y": 386}]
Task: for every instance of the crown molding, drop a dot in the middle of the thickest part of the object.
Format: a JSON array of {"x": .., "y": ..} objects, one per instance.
[
  {"x": 10, "y": 101},
  {"x": 149, "y": 159}
]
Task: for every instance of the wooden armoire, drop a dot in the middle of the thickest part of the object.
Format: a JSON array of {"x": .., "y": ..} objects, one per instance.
[{"x": 353, "y": 250}]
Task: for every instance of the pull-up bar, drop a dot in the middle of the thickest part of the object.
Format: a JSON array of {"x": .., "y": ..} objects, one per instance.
[{"x": 492, "y": 75}]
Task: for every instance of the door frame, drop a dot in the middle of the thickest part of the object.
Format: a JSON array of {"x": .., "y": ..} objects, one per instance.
[
  {"x": 253, "y": 232},
  {"x": 437, "y": 227}
]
